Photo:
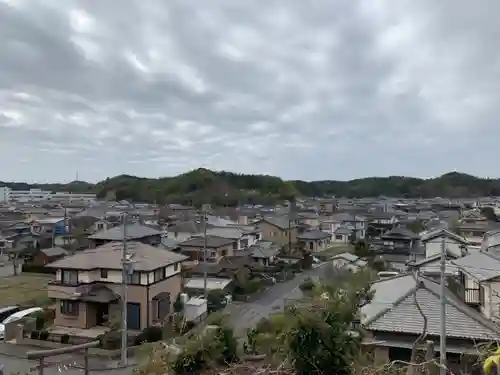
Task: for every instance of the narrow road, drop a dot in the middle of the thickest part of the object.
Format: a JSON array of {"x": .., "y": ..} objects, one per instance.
[{"x": 248, "y": 314}]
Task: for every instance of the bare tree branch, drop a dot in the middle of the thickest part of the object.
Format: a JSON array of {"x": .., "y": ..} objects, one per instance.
[{"x": 414, "y": 349}]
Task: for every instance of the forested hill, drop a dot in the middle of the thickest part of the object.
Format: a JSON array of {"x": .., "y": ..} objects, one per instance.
[{"x": 225, "y": 188}]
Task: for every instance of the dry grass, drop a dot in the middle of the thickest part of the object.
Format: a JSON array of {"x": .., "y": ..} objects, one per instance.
[{"x": 24, "y": 290}]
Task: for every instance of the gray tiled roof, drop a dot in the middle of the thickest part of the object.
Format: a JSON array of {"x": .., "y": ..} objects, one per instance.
[
  {"x": 55, "y": 251},
  {"x": 437, "y": 232},
  {"x": 134, "y": 231},
  {"x": 143, "y": 257},
  {"x": 281, "y": 222},
  {"x": 343, "y": 230},
  {"x": 403, "y": 316},
  {"x": 313, "y": 235},
  {"x": 225, "y": 232},
  {"x": 212, "y": 242},
  {"x": 480, "y": 265}
]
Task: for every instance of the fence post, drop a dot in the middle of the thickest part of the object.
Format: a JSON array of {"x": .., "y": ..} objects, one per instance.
[{"x": 41, "y": 364}]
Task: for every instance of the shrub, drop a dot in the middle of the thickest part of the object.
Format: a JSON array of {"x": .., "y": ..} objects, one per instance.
[
  {"x": 149, "y": 334},
  {"x": 178, "y": 305},
  {"x": 44, "y": 335},
  {"x": 307, "y": 285},
  {"x": 35, "y": 268},
  {"x": 40, "y": 320},
  {"x": 35, "y": 335},
  {"x": 201, "y": 352},
  {"x": 100, "y": 338},
  {"x": 111, "y": 340},
  {"x": 65, "y": 339}
]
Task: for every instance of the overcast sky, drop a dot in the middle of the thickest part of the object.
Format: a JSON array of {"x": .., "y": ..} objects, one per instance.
[{"x": 300, "y": 89}]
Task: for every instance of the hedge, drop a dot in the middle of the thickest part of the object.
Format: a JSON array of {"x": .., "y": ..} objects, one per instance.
[{"x": 35, "y": 268}]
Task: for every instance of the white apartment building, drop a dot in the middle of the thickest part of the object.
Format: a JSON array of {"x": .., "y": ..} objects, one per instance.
[{"x": 8, "y": 195}]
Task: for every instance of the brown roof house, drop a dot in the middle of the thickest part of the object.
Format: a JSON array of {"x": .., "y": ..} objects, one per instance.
[{"x": 88, "y": 285}]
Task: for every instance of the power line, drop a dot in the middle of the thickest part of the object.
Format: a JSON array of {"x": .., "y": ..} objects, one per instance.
[
  {"x": 442, "y": 302},
  {"x": 124, "y": 293}
]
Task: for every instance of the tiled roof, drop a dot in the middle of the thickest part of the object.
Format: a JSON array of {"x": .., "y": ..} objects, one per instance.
[
  {"x": 143, "y": 257},
  {"x": 401, "y": 314},
  {"x": 313, "y": 235},
  {"x": 134, "y": 231},
  {"x": 282, "y": 222},
  {"x": 480, "y": 265},
  {"x": 212, "y": 242}
]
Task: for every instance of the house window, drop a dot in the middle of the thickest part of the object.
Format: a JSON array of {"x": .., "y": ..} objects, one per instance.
[
  {"x": 481, "y": 295},
  {"x": 134, "y": 279},
  {"x": 224, "y": 252},
  {"x": 338, "y": 237},
  {"x": 104, "y": 274},
  {"x": 69, "y": 277},
  {"x": 163, "y": 308},
  {"x": 159, "y": 275},
  {"x": 69, "y": 308},
  {"x": 311, "y": 245},
  {"x": 176, "y": 267},
  {"x": 462, "y": 279}
]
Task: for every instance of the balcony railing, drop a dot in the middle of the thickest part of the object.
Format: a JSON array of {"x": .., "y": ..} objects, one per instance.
[{"x": 472, "y": 296}]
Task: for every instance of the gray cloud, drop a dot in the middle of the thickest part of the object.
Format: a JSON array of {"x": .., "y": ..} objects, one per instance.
[{"x": 314, "y": 91}]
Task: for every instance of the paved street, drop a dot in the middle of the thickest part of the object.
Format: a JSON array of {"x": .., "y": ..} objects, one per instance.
[{"x": 247, "y": 315}]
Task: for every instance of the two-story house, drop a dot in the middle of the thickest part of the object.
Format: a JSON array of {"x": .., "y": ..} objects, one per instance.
[
  {"x": 357, "y": 223},
  {"x": 314, "y": 240},
  {"x": 478, "y": 282},
  {"x": 281, "y": 230},
  {"x": 217, "y": 248},
  {"x": 183, "y": 230},
  {"x": 242, "y": 238},
  {"x": 381, "y": 222},
  {"x": 88, "y": 285},
  {"x": 433, "y": 239},
  {"x": 133, "y": 232},
  {"x": 475, "y": 231}
]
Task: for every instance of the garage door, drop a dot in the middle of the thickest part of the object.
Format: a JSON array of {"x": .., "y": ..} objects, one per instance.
[{"x": 134, "y": 316}]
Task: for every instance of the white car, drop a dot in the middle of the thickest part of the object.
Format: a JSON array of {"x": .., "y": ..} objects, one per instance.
[{"x": 17, "y": 316}]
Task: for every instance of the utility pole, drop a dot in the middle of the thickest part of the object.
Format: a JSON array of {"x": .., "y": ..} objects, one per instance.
[
  {"x": 442, "y": 301},
  {"x": 124, "y": 292},
  {"x": 205, "y": 271}
]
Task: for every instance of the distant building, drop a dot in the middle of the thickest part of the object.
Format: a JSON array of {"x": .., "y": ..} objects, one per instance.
[{"x": 7, "y": 195}]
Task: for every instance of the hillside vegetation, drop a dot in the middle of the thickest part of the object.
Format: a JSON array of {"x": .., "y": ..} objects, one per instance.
[{"x": 225, "y": 188}]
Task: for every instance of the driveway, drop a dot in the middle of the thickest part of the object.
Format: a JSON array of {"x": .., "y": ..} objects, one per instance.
[{"x": 247, "y": 314}]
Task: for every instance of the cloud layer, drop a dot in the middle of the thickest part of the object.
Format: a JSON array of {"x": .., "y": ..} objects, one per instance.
[{"x": 311, "y": 90}]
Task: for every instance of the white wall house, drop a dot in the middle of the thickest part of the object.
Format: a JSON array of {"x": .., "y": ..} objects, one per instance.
[
  {"x": 37, "y": 195},
  {"x": 480, "y": 276},
  {"x": 432, "y": 242}
]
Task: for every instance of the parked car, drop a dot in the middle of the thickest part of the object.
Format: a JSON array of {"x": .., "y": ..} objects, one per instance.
[
  {"x": 5, "y": 312},
  {"x": 17, "y": 316}
]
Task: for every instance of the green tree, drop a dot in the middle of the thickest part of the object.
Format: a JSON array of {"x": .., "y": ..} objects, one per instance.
[
  {"x": 416, "y": 226},
  {"x": 361, "y": 248}
]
